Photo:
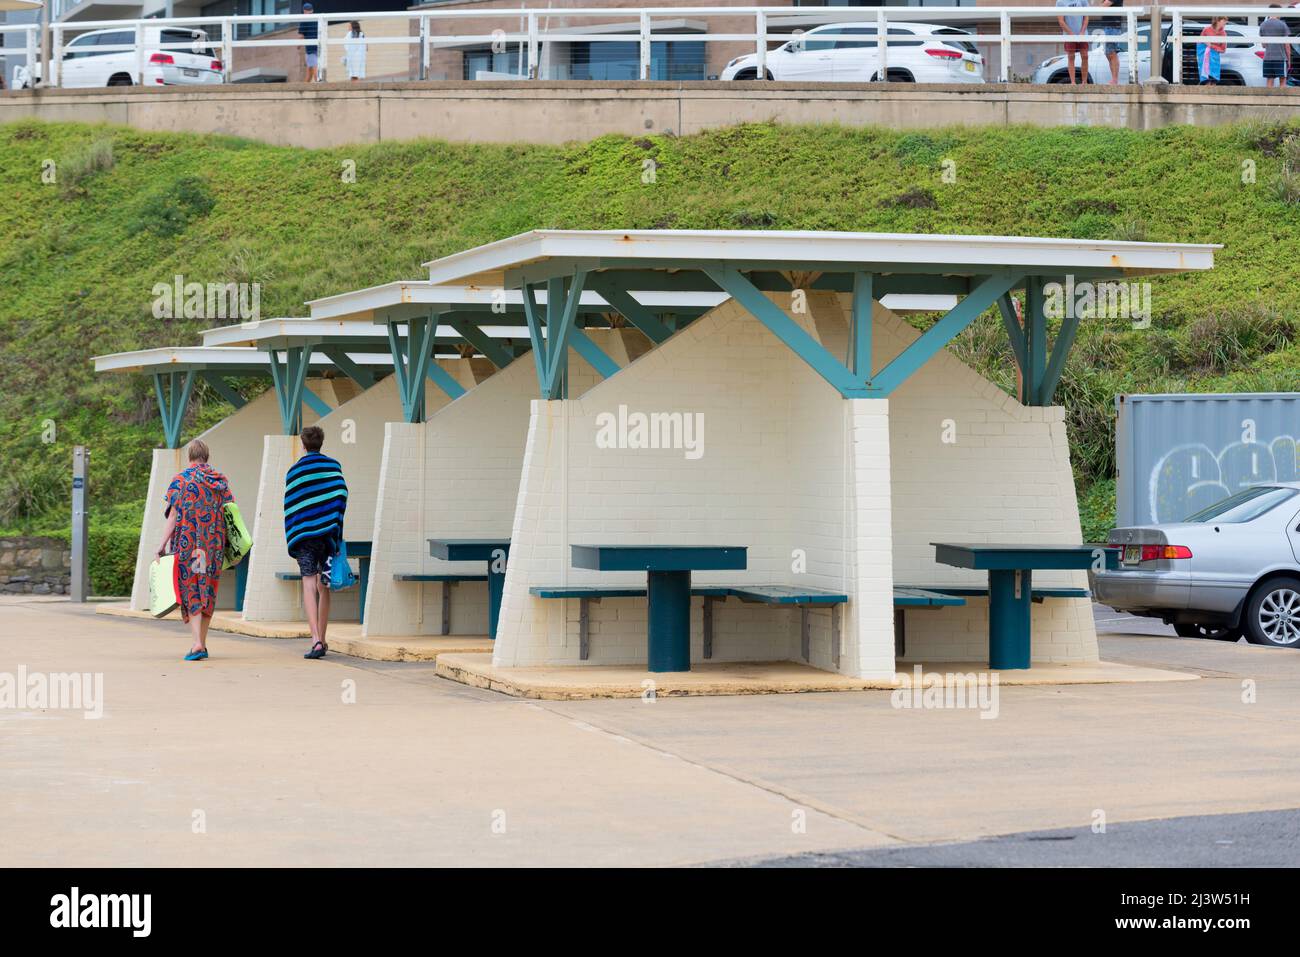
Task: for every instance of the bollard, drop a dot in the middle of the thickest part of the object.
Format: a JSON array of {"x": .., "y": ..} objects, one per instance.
[{"x": 80, "y": 586}]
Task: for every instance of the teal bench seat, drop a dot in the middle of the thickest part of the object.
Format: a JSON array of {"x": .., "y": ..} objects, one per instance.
[
  {"x": 932, "y": 596},
  {"x": 445, "y": 579},
  {"x": 803, "y": 598}
]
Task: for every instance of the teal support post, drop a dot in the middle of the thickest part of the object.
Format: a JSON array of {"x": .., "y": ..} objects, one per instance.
[
  {"x": 1035, "y": 342},
  {"x": 492, "y": 350},
  {"x": 222, "y": 388},
  {"x": 411, "y": 360},
  {"x": 444, "y": 380},
  {"x": 496, "y": 586},
  {"x": 344, "y": 363},
  {"x": 669, "y": 594},
  {"x": 172, "y": 403},
  {"x": 241, "y": 583},
  {"x": 550, "y": 351},
  {"x": 860, "y": 327},
  {"x": 595, "y": 356},
  {"x": 290, "y": 381},
  {"x": 1060, "y": 350},
  {"x": 1010, "y": 592}
]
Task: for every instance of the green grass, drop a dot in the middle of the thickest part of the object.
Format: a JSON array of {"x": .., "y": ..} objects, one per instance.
[{"x": 81, "y": 256}]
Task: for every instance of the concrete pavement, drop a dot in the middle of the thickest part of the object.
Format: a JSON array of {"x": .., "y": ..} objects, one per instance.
[{"x": 262, "y": 749}]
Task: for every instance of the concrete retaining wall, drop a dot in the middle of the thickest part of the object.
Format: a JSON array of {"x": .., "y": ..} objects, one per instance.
[{"x": 335, "y": 114}]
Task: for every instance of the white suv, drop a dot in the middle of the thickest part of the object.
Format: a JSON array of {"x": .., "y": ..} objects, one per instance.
[
  {"x": 172, "y": 55},
  {"x": 850, "y": 52}
]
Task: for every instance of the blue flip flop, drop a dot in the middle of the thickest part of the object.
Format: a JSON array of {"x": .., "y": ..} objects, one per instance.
[{"x": 196, "y": 655}]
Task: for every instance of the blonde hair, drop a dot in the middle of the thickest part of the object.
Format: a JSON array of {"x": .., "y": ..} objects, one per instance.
[{"x": 198, "y": 450}]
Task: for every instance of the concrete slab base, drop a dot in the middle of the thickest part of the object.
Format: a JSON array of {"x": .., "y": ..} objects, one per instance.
[
  {"x": 769, "y": 677},
  {"x": 409, "y": 647},
  {"x": 344, "y": 637}
]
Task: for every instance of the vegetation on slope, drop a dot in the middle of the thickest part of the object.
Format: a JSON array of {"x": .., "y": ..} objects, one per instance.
[{"x": 126, "y": 210}]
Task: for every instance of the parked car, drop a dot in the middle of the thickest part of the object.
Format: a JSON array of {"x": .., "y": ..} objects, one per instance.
[
  {"x": 172, "y": 56},
  {"x": 849, "y": 52},
  {"x": 1229, "y": 570},
  {"x": 1055, "y": 70},
  {"x": 1242, "y": 64}
]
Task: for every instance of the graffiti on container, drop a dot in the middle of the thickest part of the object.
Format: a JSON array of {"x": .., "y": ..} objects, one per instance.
[{"x": 1191, "y": 477}]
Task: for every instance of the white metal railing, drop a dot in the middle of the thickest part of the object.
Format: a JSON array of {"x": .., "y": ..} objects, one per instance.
[{"x": 770, "y": 25}]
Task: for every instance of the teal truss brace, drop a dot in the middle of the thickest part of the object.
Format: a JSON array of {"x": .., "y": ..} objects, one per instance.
[
  {"x": 444, "y": 380},
  {"x": 318, "y": 405},
  {"x": 906, "y": 363},
  {"x": 595, "y": 356},
  {"x": 732, "y": 282},
  {"x": 222, "y": 388},
  {"x": 856, "y": 380},
  {"x": 343, "y": 362},
  {"x": 1060, "y": 349},
  {"x": 411, "y": 363},
  {"x": 172, "y": 403},
  {"x": 550, "y": 348},
  {"x": 631, "y": 310},
  {"x": 290, "y": 381},
  {"x": 492, "y": 350}
]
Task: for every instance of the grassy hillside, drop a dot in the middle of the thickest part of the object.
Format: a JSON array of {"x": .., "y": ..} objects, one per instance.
[{"x": 81, "y": 255}]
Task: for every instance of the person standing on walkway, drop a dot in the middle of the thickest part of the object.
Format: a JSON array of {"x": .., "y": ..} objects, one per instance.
[
  {"x": 1277, "y": 56},
  {"x": 1207, "y": 54},
  {"x": 308, "y": 30},
  {"x": 196, "y": 533},
  {"x": 1076, "y": 27},
  {"x": 315, "y": 500},
  {"x": 1112, "y": 27},
  {"x": 354, "y": 52}
]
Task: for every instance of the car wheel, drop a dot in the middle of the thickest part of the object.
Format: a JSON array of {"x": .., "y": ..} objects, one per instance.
[
  {"x": 1231, "y": 79},
  {"x": 1213, "y": 632},
  {"x": 119, "y": 79},
  {"x": 1273, "y": 614},
  {"x": 1060, "y": 76}
]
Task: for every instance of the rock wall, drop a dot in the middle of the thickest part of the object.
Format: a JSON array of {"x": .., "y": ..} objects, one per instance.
[{"x": 35, "y": 566}]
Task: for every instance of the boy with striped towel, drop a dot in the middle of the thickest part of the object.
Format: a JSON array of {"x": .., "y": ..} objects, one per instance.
[{"x": 315, "y": 499}]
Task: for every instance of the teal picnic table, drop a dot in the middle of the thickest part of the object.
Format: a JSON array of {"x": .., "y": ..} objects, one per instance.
[
  {"x": 494, "y": 551},
  {"x": 1011, "y": 569},
  {"x": 668, "y": 588}
]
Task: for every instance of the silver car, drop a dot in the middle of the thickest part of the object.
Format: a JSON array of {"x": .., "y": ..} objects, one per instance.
[{"x": 1229, "y": 570}]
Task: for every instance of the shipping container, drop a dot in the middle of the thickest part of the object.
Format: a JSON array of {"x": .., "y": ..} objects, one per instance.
[{"x": 1176, "y": 454}]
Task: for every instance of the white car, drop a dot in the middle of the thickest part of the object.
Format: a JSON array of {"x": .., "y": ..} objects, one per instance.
[
  {"x": 172, "y": 56},
  {"x": 1241, "y": 64},
  {"x": 849, "y": 52}
]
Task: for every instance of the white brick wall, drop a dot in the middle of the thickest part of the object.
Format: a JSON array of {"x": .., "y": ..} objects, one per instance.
[
  {"x": 788, "y": 466},
  {"x": 455, "y": 476}
]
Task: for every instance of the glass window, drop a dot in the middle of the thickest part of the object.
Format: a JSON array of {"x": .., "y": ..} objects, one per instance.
[
  {"x": 618, "y": 60},
  {"x": 1246, "y": 506},
  {"x": 80, "y": 47},
  {"x": 513, "y": 61}
]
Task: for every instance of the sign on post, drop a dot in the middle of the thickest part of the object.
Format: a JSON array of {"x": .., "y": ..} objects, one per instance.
[{"x": 80, "y": 585}]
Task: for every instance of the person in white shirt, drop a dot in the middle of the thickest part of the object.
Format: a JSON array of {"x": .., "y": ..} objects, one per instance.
[{"x": 354, "y": 52}]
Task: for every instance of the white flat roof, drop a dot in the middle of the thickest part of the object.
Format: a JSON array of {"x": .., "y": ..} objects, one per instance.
[
  {"x": 688, "y": 248},
  {"x": 362, "y": 303},
  {"x": 291, "y": 331},
  {"x": 180, "y": 358}
]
